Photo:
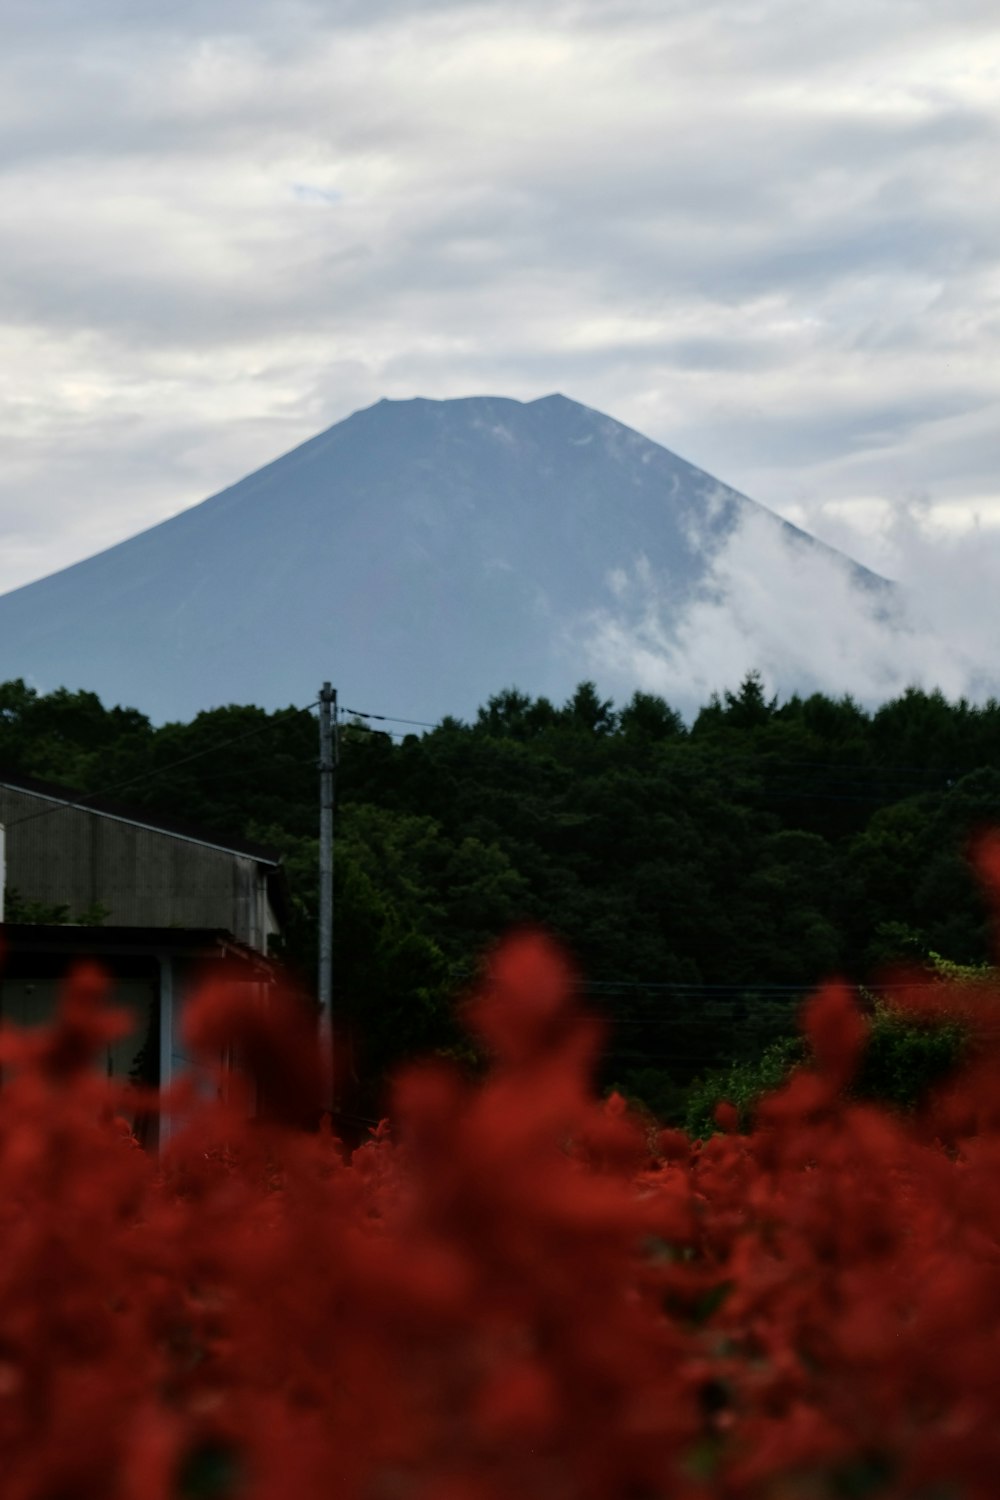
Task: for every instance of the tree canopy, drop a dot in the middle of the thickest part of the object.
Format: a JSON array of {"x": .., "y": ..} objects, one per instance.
[{"x": 703, "y": 878}]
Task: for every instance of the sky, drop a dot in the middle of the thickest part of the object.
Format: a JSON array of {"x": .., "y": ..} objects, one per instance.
[{"x": 766, "y": 234}]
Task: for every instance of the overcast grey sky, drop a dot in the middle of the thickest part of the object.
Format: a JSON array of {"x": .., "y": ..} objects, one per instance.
[{"x": 767, "y": 234}]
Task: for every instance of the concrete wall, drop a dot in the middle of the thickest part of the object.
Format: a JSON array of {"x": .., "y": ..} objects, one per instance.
[{"x": 144, "y": 877}]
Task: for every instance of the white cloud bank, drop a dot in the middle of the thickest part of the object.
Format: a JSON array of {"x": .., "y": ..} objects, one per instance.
[{"x": 797, "y": 616}]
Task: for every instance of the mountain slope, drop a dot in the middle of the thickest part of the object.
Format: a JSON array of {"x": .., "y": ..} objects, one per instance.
[{"x": 420, "y": 555}]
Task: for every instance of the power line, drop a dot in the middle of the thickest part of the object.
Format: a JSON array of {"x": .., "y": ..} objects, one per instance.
[
  {"x": 81, "y": 802},
  {"x": 392, "y": 734},
  {"x": 854, "y": 782},
  {"x": 766, "y": 757},
  {"x": 889, "y": 795},
  {"x": 389, "y": 718},
  {"x": 763, "y": 759},
  {"x": 688, "y": 986}
]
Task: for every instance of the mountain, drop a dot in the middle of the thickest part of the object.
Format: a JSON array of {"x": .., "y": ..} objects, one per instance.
[{"x": 419, "y": 555}]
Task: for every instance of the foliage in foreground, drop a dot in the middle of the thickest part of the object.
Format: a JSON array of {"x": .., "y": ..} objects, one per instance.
[{"x": 513, "y": 1289}]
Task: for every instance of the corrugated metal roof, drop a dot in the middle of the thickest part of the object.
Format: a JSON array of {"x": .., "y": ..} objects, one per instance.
[{"x": 139, "y": 817}]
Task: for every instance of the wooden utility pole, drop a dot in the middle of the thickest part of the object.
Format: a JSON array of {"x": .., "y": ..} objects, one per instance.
[{"x": 327, "y": 766}]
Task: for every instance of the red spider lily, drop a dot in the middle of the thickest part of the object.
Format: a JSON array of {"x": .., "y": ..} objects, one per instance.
[{"x": 502, "y": 1292}]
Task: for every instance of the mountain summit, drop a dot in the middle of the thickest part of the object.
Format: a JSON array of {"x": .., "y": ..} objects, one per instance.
[{"x": 420, "y": 555}]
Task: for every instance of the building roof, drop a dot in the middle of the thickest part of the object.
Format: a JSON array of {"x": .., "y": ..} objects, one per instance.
[
  {"x": 139, "y": 817},
  {"x": 97, "y": 942}
]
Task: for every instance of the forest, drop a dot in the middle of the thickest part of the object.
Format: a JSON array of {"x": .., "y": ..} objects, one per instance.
[{"x": 703, "y": 877}]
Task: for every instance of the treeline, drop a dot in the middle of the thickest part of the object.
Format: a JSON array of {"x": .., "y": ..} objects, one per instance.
[{"x": 704, "y": 877}]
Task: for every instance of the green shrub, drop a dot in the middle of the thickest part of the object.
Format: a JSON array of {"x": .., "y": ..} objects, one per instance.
[
  {"x": 741, "y": 1084},
  {"x": 905, "y": 1058}
]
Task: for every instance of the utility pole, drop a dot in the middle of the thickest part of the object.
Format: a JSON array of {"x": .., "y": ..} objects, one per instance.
[{"x": 327, "y": 765}]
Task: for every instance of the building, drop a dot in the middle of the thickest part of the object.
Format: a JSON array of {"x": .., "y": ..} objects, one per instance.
[
  {"x": 137, "y": 868},
  {"x": 163, "y": 905}
]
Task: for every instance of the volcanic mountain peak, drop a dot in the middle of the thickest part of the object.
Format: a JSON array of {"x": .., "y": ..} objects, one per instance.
[{"x": 420, "y": 554}]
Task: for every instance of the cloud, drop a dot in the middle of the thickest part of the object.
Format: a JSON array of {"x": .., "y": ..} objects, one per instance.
[
  {"x": 765, "y": 235},
  {"x": 797, "y": 615}
]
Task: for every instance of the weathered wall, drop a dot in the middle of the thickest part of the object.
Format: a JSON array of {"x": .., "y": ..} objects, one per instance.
[{"x": 144, "y": 877}]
